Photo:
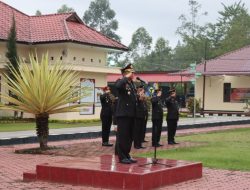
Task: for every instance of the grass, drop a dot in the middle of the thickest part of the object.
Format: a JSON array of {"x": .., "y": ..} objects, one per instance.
[
  {"x": 10, "y": 127},
  {"x": 223, "y": 150}
]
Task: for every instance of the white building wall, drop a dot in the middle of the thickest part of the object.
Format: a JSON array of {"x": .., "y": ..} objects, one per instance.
[{"x": 214, "y": 91}]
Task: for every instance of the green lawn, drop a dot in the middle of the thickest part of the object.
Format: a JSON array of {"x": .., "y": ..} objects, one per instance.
[
  {"x": 8, "y": 127},
  {"x": 225, "y": 150}
]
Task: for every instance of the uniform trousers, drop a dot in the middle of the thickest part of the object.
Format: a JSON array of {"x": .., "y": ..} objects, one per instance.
[
  {"x": 156, "y": 131},
  {"x": 172, "y": 126},
  {"x": 125, "y": 126},
  {"x": 144, "y": 128},
  {"x": 106, "y": 125},
  {"x": 138, "y": 132}
]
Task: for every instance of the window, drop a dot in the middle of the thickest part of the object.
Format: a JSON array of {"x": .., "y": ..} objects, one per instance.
[
  {"x": 61, "y": 58},
  {"x": 226, "y": 92},
  {"x": 51, "y": 58},
  {"x": 91, "y": 60},
  {"x": 100, "y": 60},
  {"x": 83, "y": 59},
  {"x": 74, "y": 58}
]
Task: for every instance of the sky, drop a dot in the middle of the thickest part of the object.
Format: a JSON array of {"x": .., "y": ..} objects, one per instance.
[{"x": 159, "y": 17}]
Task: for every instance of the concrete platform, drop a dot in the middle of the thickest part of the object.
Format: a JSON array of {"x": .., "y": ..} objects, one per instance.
[{"x": 106, "y": 172}]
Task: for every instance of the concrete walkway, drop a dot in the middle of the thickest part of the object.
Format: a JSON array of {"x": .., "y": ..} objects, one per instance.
[
  {"x": 13, "y": 165},
  {"x": 184, "y": 122}
]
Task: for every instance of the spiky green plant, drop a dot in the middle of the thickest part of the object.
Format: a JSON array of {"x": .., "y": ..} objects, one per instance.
[{"x": 42, "y": 89}]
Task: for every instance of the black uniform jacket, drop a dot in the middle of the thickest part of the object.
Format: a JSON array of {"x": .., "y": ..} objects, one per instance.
[
  {"x": 106, "y": 105},
  {"x": 173, "y": 108},
  {"x": 157, "y": 108},
  {"x": 127, "y": 98},
  {"x": 141, "y": 109}
]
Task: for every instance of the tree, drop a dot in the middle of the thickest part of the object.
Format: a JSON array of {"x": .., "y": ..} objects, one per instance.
[
  {"x": 193, "y": 36},
  {"x": 232, "y": 30},
  {"x": 189, "y": 27},
  {"x": 11, "y": 55},
  {"x": 65, "y": 9},
  {"x": 140, "y": 45},
  {"x": 162, "y": 46},
  {"x": 38, "y": 13},
  {"x": 42, "y": 89},
  {"x": 101, "y": 17}
]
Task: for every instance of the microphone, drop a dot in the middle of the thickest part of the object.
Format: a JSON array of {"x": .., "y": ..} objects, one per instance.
[{"x": 138, "y": 78}]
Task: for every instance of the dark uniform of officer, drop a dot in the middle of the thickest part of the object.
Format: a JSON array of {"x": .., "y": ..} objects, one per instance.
[
  {"x": 115, "y": 124},
  {"x": 125, "y": 113},
  {"x": 145, "y": 121},
  {"x": 106, "y": 115},
  {"x": 157, "y": 118},
  {"x": 141, "y": 110},
  {"x": 172, "y": 116}
]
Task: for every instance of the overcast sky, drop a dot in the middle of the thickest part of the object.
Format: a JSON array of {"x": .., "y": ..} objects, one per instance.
[{"x": 159, "y": 17}]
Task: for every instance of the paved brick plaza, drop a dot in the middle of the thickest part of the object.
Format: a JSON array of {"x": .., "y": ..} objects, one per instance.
[{"x": 13, "y": 165}]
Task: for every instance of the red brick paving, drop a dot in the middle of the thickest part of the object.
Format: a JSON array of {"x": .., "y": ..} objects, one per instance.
[{"x": 13, "y": 165}]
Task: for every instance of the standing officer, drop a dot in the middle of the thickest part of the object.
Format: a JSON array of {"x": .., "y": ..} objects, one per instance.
[
  {"x": 140, "y": 118},
  {"x": 106, "y": 115},
  {"x": 145, "y": 120},
  {"x": 125, "y": 113},
  {"x": 172, "y": 116},
  {"x": 157, "y": 118}
]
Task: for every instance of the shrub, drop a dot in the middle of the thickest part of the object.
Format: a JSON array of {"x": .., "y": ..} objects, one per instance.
[{"x": 190, "y": 105}]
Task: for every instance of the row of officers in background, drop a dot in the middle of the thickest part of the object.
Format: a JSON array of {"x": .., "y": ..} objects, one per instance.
[{"x": 129, "y": 111}]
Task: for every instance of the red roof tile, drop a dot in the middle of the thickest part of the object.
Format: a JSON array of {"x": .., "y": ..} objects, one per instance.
[
  {"x": 233, "y": 62},
  {"x": 66, "y": 27}
]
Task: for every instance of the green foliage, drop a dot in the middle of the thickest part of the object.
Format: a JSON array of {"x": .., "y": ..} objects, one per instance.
[
  {"x": 21, "y": 125},
  {"x": 232, "y": 30},
  {"x": 140, "y": 44},
  {"x": 11, "y": 53},
  {"x": 190, "y": 105},
  {"x": 42, "y": 88},
  {"x": 101, "y": 17},
  {"x": 65, "y": 9},
  {"x": 38, "y": 13},
  {"x": 223, "y": 150}
]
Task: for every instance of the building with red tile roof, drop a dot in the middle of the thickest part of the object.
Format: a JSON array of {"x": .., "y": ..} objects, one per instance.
[
  {"x": 66, "y": 38},
  {"x": 224, "y": 84},
  {"x": 66, "y": 27}
]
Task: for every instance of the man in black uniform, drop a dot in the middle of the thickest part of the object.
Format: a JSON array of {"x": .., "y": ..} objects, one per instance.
[
  {"x": 172, "y": 116},
  {"x": 157, "y": 118},
  {"x": 125, "y": 113},
  {"x": 140, "y": 118},
  {"x": 106, "y": 115},
  {"x": 145, "y": 121}
]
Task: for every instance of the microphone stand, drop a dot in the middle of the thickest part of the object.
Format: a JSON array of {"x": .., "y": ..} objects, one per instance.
[{"x": 154, "y": 159}]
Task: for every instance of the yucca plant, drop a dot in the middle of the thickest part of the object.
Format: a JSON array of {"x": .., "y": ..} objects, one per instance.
[{"x": 42, "y": 89}]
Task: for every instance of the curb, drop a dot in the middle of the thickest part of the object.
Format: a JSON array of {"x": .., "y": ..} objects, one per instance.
[{"x": 91, "y": 135}]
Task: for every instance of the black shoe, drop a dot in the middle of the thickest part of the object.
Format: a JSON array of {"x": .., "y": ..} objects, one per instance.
[
  {"x": 171, "y": 143},
  {"x": 137, "y": 147},
  {"x": 107, "y": 144},
  {"x": 125, "y": 161},
  {"x": 132, "y": 160},
  {"x": 144, "y": 141},
  {"x": 175, "y": 142},
  {"x": 142, "y": 147}
]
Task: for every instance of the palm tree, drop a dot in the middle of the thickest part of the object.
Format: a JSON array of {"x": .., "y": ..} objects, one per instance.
[{"x": 42, "y": 89}]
